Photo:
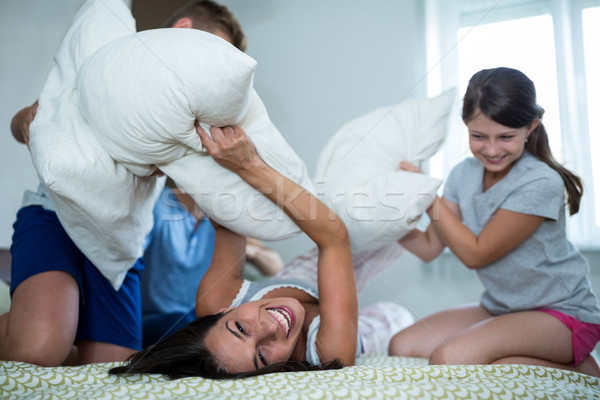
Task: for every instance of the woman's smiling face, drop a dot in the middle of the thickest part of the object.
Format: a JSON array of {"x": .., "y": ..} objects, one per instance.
[{"x": 256, "y": 334}]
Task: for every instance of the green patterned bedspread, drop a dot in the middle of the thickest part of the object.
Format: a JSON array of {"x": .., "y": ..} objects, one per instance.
[{"x": 375, "y": 377}]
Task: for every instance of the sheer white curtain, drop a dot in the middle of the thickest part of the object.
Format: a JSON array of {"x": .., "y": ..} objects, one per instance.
[{"x": 549, "y": 40}]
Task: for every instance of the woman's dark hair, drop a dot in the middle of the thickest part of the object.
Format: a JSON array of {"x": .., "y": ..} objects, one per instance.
[
  {"x": 507, "y": 96},
  {"x": 184, "y": 354},
  {"x": 206, "y": 15}
]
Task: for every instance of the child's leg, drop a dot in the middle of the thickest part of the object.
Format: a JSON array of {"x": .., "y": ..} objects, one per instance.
[
  {"x": 49, "y": 276},
  {"x": 367, "y": 265},
  {"x": 89, "y": 352},
  {"x": 110, "y": 322},
  {"x": 41, "y": 324},
  {"x": 531, "y": 334},
  {"x": 379, "y": 322},
  {"x": 422, "y": 338},
  {"x": 587, "y": 366}
]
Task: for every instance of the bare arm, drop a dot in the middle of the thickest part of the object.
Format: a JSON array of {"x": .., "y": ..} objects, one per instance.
[
  {"x": 505, "y": 231},
  {"x": 223, "y": 279},
  {"x": 19, "y": 124},
  {"x": 502, "y": 234},
  {"x": 427, "y": 245},
  {"x": 338, "y": 304}
]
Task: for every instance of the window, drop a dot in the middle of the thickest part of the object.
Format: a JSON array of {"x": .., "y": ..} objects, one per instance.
[
  {"x": 554, "y": 42},
  {"x": 591, "y": 50}
]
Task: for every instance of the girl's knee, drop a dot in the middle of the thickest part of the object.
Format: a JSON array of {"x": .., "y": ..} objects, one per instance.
[
  {"x": 403, "y": 345},
  {"x": 445, "y": 354}
]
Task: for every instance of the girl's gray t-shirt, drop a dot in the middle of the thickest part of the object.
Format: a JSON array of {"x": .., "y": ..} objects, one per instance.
[{"x": 545, "y": 271}]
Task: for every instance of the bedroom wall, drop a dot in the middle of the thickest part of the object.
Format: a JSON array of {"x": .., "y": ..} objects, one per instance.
[{"x": 30, "y": 31}]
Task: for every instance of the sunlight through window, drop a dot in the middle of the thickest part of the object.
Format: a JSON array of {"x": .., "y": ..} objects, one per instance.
[
  {"x": 526, "y": 44},
  {"x": 591, "y": 33}
]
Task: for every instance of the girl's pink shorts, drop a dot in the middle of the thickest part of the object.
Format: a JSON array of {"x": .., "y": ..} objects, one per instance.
[{"x": 585, "y": 335}]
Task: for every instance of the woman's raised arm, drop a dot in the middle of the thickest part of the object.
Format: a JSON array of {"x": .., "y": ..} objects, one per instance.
[
  {"x": 223, "y": 279},
  {"x": 338, "y": 304}
]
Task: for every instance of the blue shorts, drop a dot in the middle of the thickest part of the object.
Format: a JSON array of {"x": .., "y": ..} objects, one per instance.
[{"x": 40, "y": 244}]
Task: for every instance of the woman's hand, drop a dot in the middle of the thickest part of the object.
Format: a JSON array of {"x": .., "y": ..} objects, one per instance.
[{"x": 230, "y": 147}]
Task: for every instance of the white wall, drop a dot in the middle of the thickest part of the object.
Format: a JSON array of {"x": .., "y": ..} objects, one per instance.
[
  {"x": 320, "y": 64},
  {"x": 30, "y": 31}
]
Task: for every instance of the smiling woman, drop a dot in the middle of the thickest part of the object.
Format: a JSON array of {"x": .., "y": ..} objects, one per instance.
[
  {"x": 257, "y": 334},
  {"x": 248, "y": 328}
]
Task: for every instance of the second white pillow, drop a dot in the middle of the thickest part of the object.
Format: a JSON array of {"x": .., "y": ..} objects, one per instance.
[{"x": 357, "y": 171}]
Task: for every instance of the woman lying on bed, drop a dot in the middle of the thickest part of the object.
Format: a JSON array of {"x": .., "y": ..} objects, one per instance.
[{"x": 251, "y": 328}]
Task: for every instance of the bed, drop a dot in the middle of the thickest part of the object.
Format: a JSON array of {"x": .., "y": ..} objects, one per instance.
[{"x": 377, "y": 377}]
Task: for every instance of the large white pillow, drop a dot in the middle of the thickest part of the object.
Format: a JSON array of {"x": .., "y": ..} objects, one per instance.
[
  {"x": 357, "y": 172},
  {"x": 141, "y": 96},
  {"x": 92, "y": 194},
  {"x": 142, "y": 93},
  {"x": 116, "y": 103},
  {"x": 225, "y": 197}
]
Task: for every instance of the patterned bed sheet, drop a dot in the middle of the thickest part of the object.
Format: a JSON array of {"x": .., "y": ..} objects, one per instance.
[{"x": 374, "y": 377}]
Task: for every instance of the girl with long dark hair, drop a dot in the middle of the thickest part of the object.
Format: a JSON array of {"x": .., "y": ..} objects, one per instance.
[{"x": 503, "y": 215}]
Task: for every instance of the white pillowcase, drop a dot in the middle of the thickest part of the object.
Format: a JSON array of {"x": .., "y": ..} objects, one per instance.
[
  {"x": 92, "y": 194},
  {"x": 142, "y": 93},
  {"x": 357, "y": 172},
  {"x": 116, "y": 103}
]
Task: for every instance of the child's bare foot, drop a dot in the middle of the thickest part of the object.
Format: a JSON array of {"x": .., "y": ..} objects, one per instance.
[{"x": 589, "y": 366}]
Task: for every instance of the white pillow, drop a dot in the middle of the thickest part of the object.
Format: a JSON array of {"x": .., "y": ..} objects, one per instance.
[
  {"x": 83, "y": 181},
  {"x": 141, "y": 96},
  {"x": 104, "y": 122},
  {"x": 357, "y": 171},
  {"x": 142, "y": 93},
  {"x": 225, "y": 197}
]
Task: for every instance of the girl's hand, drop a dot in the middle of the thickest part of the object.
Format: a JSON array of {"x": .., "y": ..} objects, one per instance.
[
  {"x": 410, "y": 167},
  {"x": 230, "y": 147}
]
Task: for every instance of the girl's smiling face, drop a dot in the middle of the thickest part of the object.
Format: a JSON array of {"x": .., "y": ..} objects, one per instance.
[
  {"x": 256, "y": 334},
  {"x": 497, "y": 146}
]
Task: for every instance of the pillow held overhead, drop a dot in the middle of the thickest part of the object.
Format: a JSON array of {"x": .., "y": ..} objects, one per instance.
[
  {"x": 163, "y": 81},
  {"x": 357, "y": 172},
  {"x": 116, "y": 104}
]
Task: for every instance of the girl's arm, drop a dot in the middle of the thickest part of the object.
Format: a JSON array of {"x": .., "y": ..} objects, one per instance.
[
  {"x": 338, "y": 304},
  {"x": 502, "y": 234},
  {"x": 427, "y": 245}
]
